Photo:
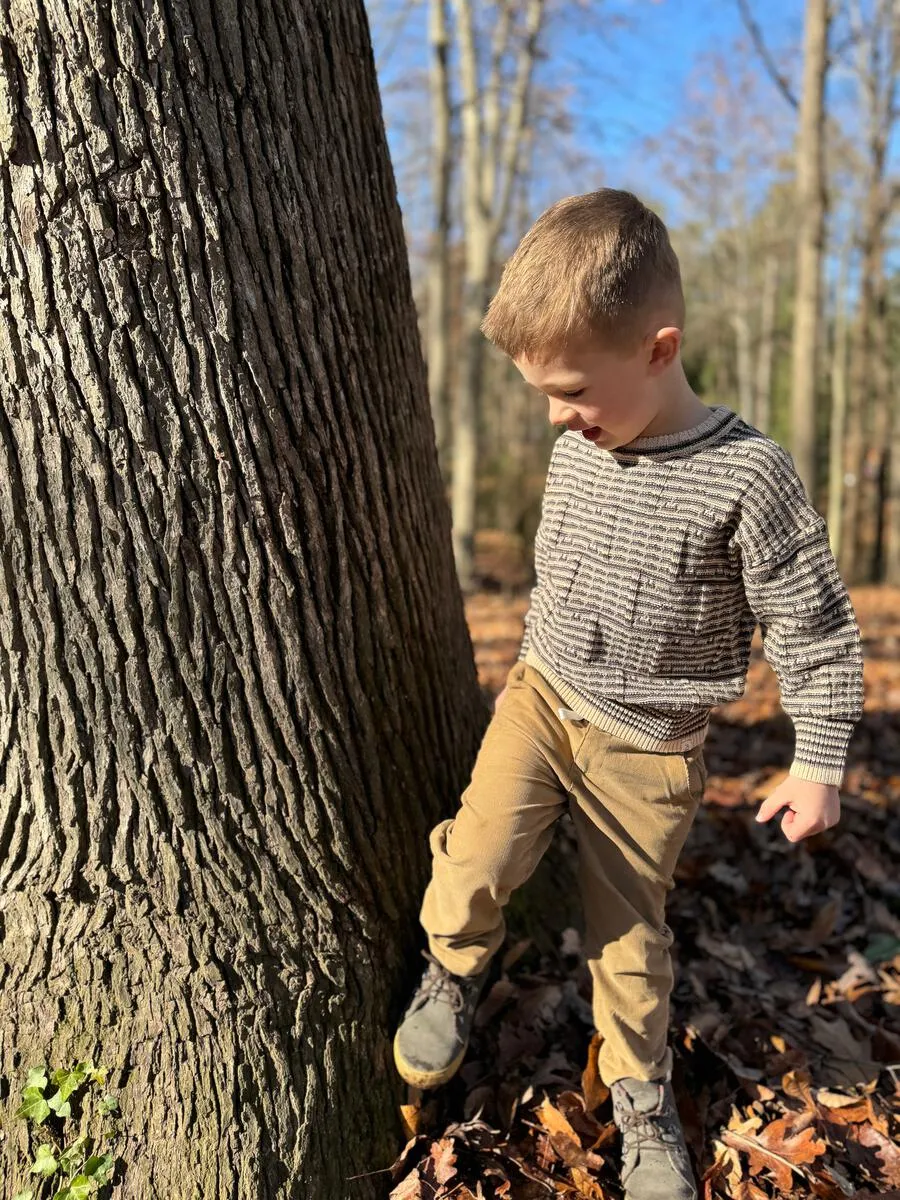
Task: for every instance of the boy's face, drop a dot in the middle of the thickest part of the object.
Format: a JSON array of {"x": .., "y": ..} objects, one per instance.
[{"x": 608, "y": 396}]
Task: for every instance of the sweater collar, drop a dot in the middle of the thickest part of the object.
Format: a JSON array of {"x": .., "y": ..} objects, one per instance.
[{"x": 708, "y": 429}]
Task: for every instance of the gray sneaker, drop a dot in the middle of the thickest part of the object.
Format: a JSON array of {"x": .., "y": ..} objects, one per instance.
[
  {"x": 433, "y": 1036},
  {"x": 655, "y": 1162}
]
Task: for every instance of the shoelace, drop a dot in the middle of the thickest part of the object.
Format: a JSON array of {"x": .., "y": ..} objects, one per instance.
[
  {"x": 645, "y": 1129},
  {"x": 439, "y": 980},
  {"x": 638, "y": 1129}
]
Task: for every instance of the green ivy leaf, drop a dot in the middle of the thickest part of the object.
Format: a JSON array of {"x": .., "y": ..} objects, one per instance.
[
  {"x": 63, "y": 1194},
  {"x": 45, "y": 1161},
  {"x": 61, "y": 1107},
  {"x": 68, "y": 1081},
  {"x": 881, "y": 947},
  {"x": 37, "y": 1077},
  {"x": 33, "y": 1107},
  {"x": 87, "y": 1070},
  {"x": 99, "y": 1167},
  {"x": 109, "y": 1103},
  {"x": 29, "y": 1195},
  {"x": 70, "y": 1157},
  {"x": 80, "y": 1188}
]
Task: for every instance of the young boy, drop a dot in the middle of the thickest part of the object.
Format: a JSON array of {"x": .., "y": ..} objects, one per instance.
[{"x": 668, "y": 530}]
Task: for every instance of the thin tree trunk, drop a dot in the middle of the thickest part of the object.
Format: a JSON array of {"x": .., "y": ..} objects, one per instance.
[
  {"x": 878, "y": 43},
  {"x": 765, "y": 355},
  {"x": 892, "y": 498},
  {"x": 839, "y": 400},
  {"x": 236, "y": 684},
  {"x": 438, "y": 327},
  {"x": 811, "y": 202},
  {"x": 488, "y": 190}
]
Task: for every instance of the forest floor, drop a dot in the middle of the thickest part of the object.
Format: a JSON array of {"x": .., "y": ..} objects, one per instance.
[{"x": 785, "y": 1018}]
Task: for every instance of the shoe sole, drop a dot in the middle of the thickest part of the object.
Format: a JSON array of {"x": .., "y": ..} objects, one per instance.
[{"x": 425, "y": 1080}]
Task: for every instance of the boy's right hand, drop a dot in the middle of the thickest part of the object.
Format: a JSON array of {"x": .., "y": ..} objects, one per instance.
[{"x": 499, "y": 698}]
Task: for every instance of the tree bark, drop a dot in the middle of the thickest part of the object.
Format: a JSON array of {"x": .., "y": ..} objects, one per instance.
[
  {"x": 811, "y": 200},
  {"x": 236, "y": 684}
]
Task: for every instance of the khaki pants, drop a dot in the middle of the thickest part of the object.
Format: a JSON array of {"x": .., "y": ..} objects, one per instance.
[{"x": 632, "y": 811}]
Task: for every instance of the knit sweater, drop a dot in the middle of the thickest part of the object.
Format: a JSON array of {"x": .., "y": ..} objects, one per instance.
[{"x": 655, "y": 561}]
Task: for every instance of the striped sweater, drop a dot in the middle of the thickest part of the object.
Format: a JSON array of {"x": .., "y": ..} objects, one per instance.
[{"x": 655, "y": 561}]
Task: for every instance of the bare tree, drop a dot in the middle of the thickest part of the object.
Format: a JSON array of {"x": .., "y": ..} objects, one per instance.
[
  {"x": 811, "y": 205},
  {"x": 839, "y": 362},
  {"x": 236, "y": 684},
  {"x": 877, "y": 42},
  {"x": 492, "y": 135},
  {"x": 437, "y": 312}
]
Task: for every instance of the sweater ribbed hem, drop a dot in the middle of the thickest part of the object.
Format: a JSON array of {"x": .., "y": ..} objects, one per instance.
[
  {"x": 597, "y": 715},
  {"x": 820, "y": 749},
  {"x": 814, "y": 774}
]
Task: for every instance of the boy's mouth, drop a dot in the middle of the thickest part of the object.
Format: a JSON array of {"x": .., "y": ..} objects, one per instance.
[{"x": 593, "y": 433}]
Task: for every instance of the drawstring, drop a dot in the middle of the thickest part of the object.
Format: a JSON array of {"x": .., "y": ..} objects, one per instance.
[{"x": 569, "y": 714}]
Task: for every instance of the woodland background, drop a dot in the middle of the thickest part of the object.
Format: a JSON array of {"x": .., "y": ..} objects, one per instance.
[
  {"x": 773, "y": 160},
  {"x": 766, "y": 136}
]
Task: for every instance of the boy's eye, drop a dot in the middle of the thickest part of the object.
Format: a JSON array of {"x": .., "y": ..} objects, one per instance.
[{"x": 572, "y": 395}]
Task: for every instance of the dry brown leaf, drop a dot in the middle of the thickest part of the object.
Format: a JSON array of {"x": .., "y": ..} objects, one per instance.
[
  {"x": 886, "y": 1150},
  {"x": 835, "y": 1099},
  {"x": 565, "y": 1140},
  {"x": 594, "y": 1089},
  {"x": 554, "y": 1121},
  {"x": 401, "y": 1158},
  {"x": 736, "y": 956},
  {"x": 747, "y": 1190},
  {"x": 586, "y": 1186},
  {"x": 443, "y": 1159},
  {"x": 823, "y": 923},
  {"x": 797, "y": 1083},
  {"x": 779, "y": 1148},
  {"x": 409, "y": 1188}
]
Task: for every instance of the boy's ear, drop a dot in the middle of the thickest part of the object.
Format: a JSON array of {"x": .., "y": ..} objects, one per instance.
[{"x": 665, "y": 348}]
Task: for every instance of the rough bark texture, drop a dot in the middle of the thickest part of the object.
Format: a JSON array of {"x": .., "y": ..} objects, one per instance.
[{"x": 236, "y": 685}]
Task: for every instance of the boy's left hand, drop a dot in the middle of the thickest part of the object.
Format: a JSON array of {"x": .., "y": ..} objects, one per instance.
[{"x": 811, "y": 807}]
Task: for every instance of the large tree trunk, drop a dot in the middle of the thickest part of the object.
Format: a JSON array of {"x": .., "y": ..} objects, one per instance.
[
  {"x": 236, "y": 684},
  {"x": 810, "y": 241}
]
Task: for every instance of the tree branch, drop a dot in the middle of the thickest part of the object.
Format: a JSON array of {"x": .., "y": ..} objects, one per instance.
[{"x": 768, "y": 61}]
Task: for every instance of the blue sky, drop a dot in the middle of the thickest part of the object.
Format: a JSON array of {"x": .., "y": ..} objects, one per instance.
[
  {"x": 648, "y": 67},
  {"x": 629, "y": 67}
]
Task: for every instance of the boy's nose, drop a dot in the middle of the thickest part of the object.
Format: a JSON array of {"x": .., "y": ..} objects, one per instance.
[{"x": 560, "y": 414}]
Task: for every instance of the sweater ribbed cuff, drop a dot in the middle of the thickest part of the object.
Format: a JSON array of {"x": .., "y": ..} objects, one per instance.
[{"x": 820, "y": 750}]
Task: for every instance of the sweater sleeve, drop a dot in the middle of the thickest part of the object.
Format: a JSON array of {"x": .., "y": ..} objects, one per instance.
[
  {"x": 540, "y": 559},
  {"x": 809, "y": 629}
]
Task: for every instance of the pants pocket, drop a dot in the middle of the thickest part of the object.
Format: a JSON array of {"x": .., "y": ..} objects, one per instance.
[{"x": 696, "y": 772}]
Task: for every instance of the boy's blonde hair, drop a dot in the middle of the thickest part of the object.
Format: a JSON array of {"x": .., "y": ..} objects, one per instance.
[{"x": 595, "y": 266}]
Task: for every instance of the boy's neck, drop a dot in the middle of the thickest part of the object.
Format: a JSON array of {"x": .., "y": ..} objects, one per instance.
[{"x": 680, "y": 407}]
